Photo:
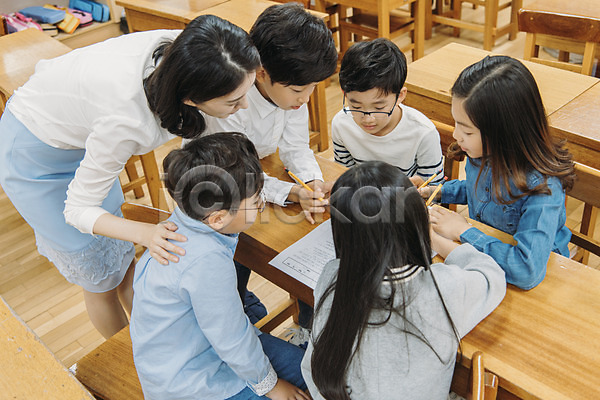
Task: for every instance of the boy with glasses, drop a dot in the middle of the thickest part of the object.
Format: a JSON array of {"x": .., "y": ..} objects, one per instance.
[{"x": 374, "y": 124}]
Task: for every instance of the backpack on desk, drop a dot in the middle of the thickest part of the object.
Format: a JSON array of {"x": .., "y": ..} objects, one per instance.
[{"x": 100, "y": 12}]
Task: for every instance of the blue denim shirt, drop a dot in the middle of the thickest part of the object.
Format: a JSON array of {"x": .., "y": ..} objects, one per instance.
[
  {"x": 191, "y": 338},
  {"x": 536, "y": 222}
]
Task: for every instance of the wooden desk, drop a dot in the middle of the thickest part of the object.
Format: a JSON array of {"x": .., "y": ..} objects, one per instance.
[
  {"x": 29, "y": 370},
  {"x": 145, "y": 15},
  {"x": 383, "y": 8},
  {"x": 578, "y": 121},
  {"x": 277, "y": 228},
  {"x": 544, "y": 343},
  {"x": 430, "y": 80},
  {"x": 19, "y": 53}
]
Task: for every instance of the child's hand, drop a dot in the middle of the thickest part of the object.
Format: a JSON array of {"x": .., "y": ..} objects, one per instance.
[
  {"x": 447, "y": 223},
  {"x": 440, "y": 244},
  {"x": 286, "y": 391},
  {"x": 416, "y": 180},
  {"x": 309, "y": 201},
  {"x": 427, "y": 191},
  {"x": 155, "y": 240},
  {"x": 317, "y": 184}
]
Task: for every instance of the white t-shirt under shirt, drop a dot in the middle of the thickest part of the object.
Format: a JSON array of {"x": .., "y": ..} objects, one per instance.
[
  {"x": 413, "y": 145},
  {"x": 270, "y": 128},
  {"x": 93, "y": 98}
]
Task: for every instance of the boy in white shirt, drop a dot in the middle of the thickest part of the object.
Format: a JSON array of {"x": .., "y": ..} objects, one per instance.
[
  {"x": 374, "y": 124},
  {"x": 297, "y": 51}
]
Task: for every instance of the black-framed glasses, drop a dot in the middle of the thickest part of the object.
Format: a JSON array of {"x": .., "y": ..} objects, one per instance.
[
  {"x": 374, "y": 114},
  {"x": 262, "y": 203}
]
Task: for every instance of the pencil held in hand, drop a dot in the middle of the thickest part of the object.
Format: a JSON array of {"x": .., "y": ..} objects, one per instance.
[
  {"x": 304, "y": 185},
  {"x": 435, "y": 192},
  {"x": 428, "y": 181}
]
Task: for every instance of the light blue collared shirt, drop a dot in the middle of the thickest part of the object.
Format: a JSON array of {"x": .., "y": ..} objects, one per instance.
[
  {"x": 536, "y": 222},
  {"x": 191, "y": 338}
]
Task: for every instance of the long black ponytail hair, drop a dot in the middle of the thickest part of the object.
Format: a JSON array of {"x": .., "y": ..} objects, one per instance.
[{"x": 379, "y": 223}]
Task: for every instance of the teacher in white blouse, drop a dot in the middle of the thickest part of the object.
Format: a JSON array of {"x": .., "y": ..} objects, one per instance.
[{"x": 69, "y": 131}]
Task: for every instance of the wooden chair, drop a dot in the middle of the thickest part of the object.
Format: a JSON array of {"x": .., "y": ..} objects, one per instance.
[
  {"x": 365, "y": 24},
  {"x": 569, "y": 26},
  {"x": 489, "y": 28},
  {"x": 587, "y": 190},
  {"x": 150, "y": 178},
  {"x": 483, "y": 384}
]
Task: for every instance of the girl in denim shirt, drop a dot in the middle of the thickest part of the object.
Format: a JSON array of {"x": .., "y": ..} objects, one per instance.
[{"x": 516, "y": 175}]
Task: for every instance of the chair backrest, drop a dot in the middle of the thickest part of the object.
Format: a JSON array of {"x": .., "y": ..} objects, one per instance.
[
  {"x": 569, "y": 26},
  {"x": 483, "y": 385},
  {"x": 143, "y": 213},
  {"x": 587, "y": 190}
]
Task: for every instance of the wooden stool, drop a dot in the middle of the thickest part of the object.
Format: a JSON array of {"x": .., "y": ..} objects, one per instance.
[
  {"x": 569, "y": 26},
  {"x": 490, "y": 28}
]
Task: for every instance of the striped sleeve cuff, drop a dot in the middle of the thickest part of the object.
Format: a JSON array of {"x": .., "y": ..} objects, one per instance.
[{"x": 267, "y": 384}]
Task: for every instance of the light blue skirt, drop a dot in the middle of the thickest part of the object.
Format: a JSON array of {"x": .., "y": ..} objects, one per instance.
[{"x": 35, "y": 177}]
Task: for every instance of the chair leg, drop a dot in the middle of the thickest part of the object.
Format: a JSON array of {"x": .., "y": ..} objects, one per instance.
[
  {"x": 530, "y": 47},
  {"x": 587, "y": 66},
  {"x": 491, "y": 19},
  {"x": 153, "y": 180},
  {"x": 588, "y": 226},
  {"x": 457, "y": 15},
  {"x": 514, "y": 18},
  {"x": 132, "y": 175}
]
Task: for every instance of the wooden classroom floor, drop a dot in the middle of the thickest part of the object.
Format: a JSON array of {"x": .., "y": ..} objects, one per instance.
[{"x": 55, "y": 309}]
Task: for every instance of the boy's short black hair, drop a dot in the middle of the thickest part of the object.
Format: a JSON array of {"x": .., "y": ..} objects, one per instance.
[
  {"x": 375, "y": 64},
  {"x": 213, "y": 172},
  {"x": 295, "y": 47}
]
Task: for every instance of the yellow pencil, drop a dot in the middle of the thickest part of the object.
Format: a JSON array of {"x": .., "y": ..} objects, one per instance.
[
  {"x": 304, "y": 185},
  {"x": 435, "y": 192},
  {"x": 428, "y": 181}
]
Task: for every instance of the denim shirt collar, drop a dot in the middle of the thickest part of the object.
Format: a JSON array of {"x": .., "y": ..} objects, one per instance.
[{"x": 189, "y": 223}]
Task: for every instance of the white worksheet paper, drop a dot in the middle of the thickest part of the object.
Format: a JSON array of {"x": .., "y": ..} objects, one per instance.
[{"x": 305, "y": 259}]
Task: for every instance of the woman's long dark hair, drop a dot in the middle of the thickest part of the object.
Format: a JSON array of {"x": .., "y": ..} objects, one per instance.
[
  {"x": 209, "y": 59},
  {"x": 502, "y": 100},
  {"x": 379, "y": 222}
]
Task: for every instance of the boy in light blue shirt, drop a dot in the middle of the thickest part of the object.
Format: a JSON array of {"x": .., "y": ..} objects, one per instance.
[{"x": 191, "y": 338}]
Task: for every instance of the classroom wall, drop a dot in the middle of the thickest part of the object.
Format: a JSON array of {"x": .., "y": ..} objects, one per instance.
[{"x": 8, "y": 6}]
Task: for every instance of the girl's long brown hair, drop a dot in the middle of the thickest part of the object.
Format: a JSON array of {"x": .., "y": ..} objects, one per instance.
[{"x": 503, "y": 101}]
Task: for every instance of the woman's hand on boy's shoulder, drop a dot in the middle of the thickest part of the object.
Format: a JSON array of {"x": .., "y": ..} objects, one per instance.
[
  {"x": 160, "y": 248},
  {"x": 284, "y": 390}
]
